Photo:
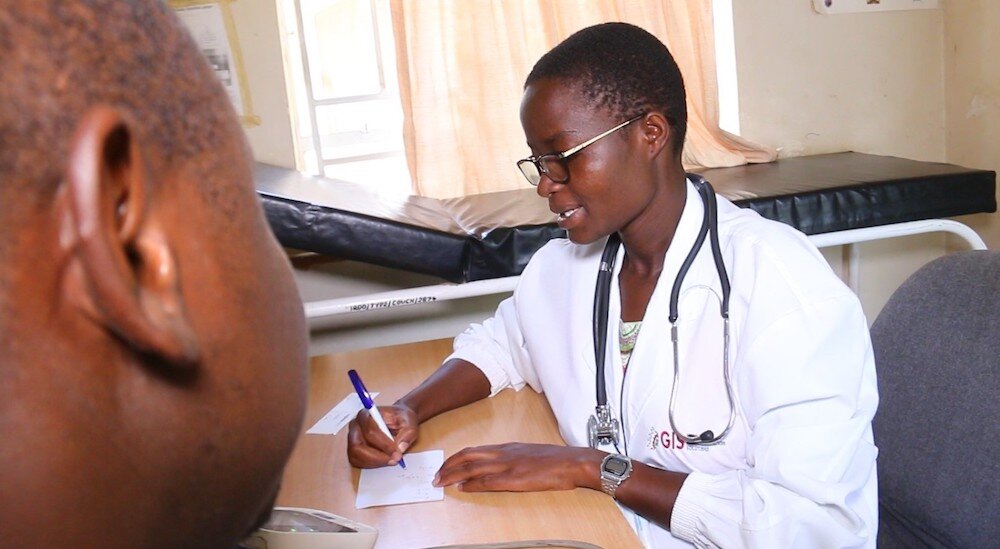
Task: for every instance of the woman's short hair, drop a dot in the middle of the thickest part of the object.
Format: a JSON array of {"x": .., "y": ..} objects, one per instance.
[{"x": 623, "y": 68}]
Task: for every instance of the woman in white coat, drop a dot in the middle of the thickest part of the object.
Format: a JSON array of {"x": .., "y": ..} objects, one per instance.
[{"x": 788, "y": 458}]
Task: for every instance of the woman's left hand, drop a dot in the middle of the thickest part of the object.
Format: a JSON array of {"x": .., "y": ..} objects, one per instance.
[{"x": 519, "y": 467}]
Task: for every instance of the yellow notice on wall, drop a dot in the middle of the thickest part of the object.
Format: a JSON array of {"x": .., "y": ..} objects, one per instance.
[{"x": 210, "y": 23}]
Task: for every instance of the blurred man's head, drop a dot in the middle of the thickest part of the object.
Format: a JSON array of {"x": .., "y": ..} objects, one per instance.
[{"x": 152, "y": 344}]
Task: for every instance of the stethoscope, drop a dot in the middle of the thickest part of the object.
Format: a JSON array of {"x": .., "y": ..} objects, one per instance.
[{"x": 602, "y": 428}]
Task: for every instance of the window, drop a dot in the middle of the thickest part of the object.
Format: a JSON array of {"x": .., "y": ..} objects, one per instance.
[
  {"x": 347, "y": 109},
  {"x": 348, "y": 116},
  {"x": 725, "y": 66}
]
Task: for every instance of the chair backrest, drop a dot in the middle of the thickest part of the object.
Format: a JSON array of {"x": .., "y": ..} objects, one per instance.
[{"x": 937, "y": 351}]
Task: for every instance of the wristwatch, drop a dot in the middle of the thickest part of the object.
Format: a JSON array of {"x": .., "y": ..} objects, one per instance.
[{"x": 615, "y": 469}]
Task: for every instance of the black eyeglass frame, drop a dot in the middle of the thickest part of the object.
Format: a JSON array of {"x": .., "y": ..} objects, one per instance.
[{"x": 534, "y": 177}]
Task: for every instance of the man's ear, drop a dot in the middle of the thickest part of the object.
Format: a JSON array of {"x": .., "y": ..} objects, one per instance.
[{"x": 128, "y": 278}]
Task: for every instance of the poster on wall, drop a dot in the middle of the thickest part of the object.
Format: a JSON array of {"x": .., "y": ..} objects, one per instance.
[{"x": 211, "y": 27}]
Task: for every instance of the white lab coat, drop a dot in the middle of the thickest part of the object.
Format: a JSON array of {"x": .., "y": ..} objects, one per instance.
[{"x": 798, "y": 467}]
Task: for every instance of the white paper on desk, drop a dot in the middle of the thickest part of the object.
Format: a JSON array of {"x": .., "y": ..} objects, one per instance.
[
  {"x": 340, "y": 415},
  {"x": 395, "y": 485}
]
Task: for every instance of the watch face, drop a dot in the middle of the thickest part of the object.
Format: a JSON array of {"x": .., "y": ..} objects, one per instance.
[{"x": 616, "y": 466}]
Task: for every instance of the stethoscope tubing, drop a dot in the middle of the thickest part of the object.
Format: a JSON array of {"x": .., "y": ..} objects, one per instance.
[
  {"x": 709, "y": 228},
  {"x": 602, "y": 297}
]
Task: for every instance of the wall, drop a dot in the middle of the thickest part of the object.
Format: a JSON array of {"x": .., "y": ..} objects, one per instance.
[
  {"x": 872, "y": 83},
  {"x": 813, "y": 83},
  {"x": 972, "y": 95},
  {"x": 259, "y": 32}
]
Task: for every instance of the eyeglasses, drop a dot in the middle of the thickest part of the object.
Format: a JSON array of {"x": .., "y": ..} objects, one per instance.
[{"x": 553, "y": 165}]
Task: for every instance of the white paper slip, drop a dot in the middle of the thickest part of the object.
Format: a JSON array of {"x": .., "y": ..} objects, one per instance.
[
  {"x": 395, "y": 485},
  {"x": 340, "y": 415}
]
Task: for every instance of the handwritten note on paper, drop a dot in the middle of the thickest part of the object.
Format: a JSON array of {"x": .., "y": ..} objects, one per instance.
[
  {"x": 395, "y": 485},
  {"x": 340, "y": 415}
]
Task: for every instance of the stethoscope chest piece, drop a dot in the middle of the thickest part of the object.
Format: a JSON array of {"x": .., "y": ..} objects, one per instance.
[{"x": 602, "y": 428}]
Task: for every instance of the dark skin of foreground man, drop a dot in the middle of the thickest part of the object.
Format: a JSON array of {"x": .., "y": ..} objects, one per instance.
[{"x": 152, "y": 343}]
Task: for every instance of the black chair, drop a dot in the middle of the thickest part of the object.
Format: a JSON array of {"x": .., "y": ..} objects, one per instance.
[{"x": 937, "y": 351}]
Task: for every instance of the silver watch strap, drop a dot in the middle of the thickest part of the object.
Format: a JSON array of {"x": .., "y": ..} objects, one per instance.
[{"x": 609, "y": 486}]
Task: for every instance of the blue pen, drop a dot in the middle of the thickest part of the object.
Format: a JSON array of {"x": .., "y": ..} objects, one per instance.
[{"x": 369, "y": 404}]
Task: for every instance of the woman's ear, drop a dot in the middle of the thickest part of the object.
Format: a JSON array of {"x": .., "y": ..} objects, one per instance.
[
  {"x": 127, "y": 272},
  {"x": 656, "y": 133}
]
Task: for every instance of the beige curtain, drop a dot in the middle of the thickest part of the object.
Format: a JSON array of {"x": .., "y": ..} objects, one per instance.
[{"x": 462, "y": 65}]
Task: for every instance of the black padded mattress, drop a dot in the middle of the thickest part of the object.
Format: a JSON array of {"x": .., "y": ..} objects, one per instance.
[{"x": 494, "y": 235}]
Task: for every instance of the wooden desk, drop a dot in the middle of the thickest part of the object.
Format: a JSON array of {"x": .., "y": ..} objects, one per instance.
[{"x": 318, "y": 475}]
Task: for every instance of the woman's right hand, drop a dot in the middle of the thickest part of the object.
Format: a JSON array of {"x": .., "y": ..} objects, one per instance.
[
  {"x": 367, "y": 445},
  {"x": 455, "y": 384}
]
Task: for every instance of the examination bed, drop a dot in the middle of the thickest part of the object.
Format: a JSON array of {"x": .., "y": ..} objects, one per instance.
[{"x": 484, "y": 241}]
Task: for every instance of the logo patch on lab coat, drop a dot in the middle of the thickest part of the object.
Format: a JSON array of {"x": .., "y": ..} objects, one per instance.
[{"x": 669, "y": 440}]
